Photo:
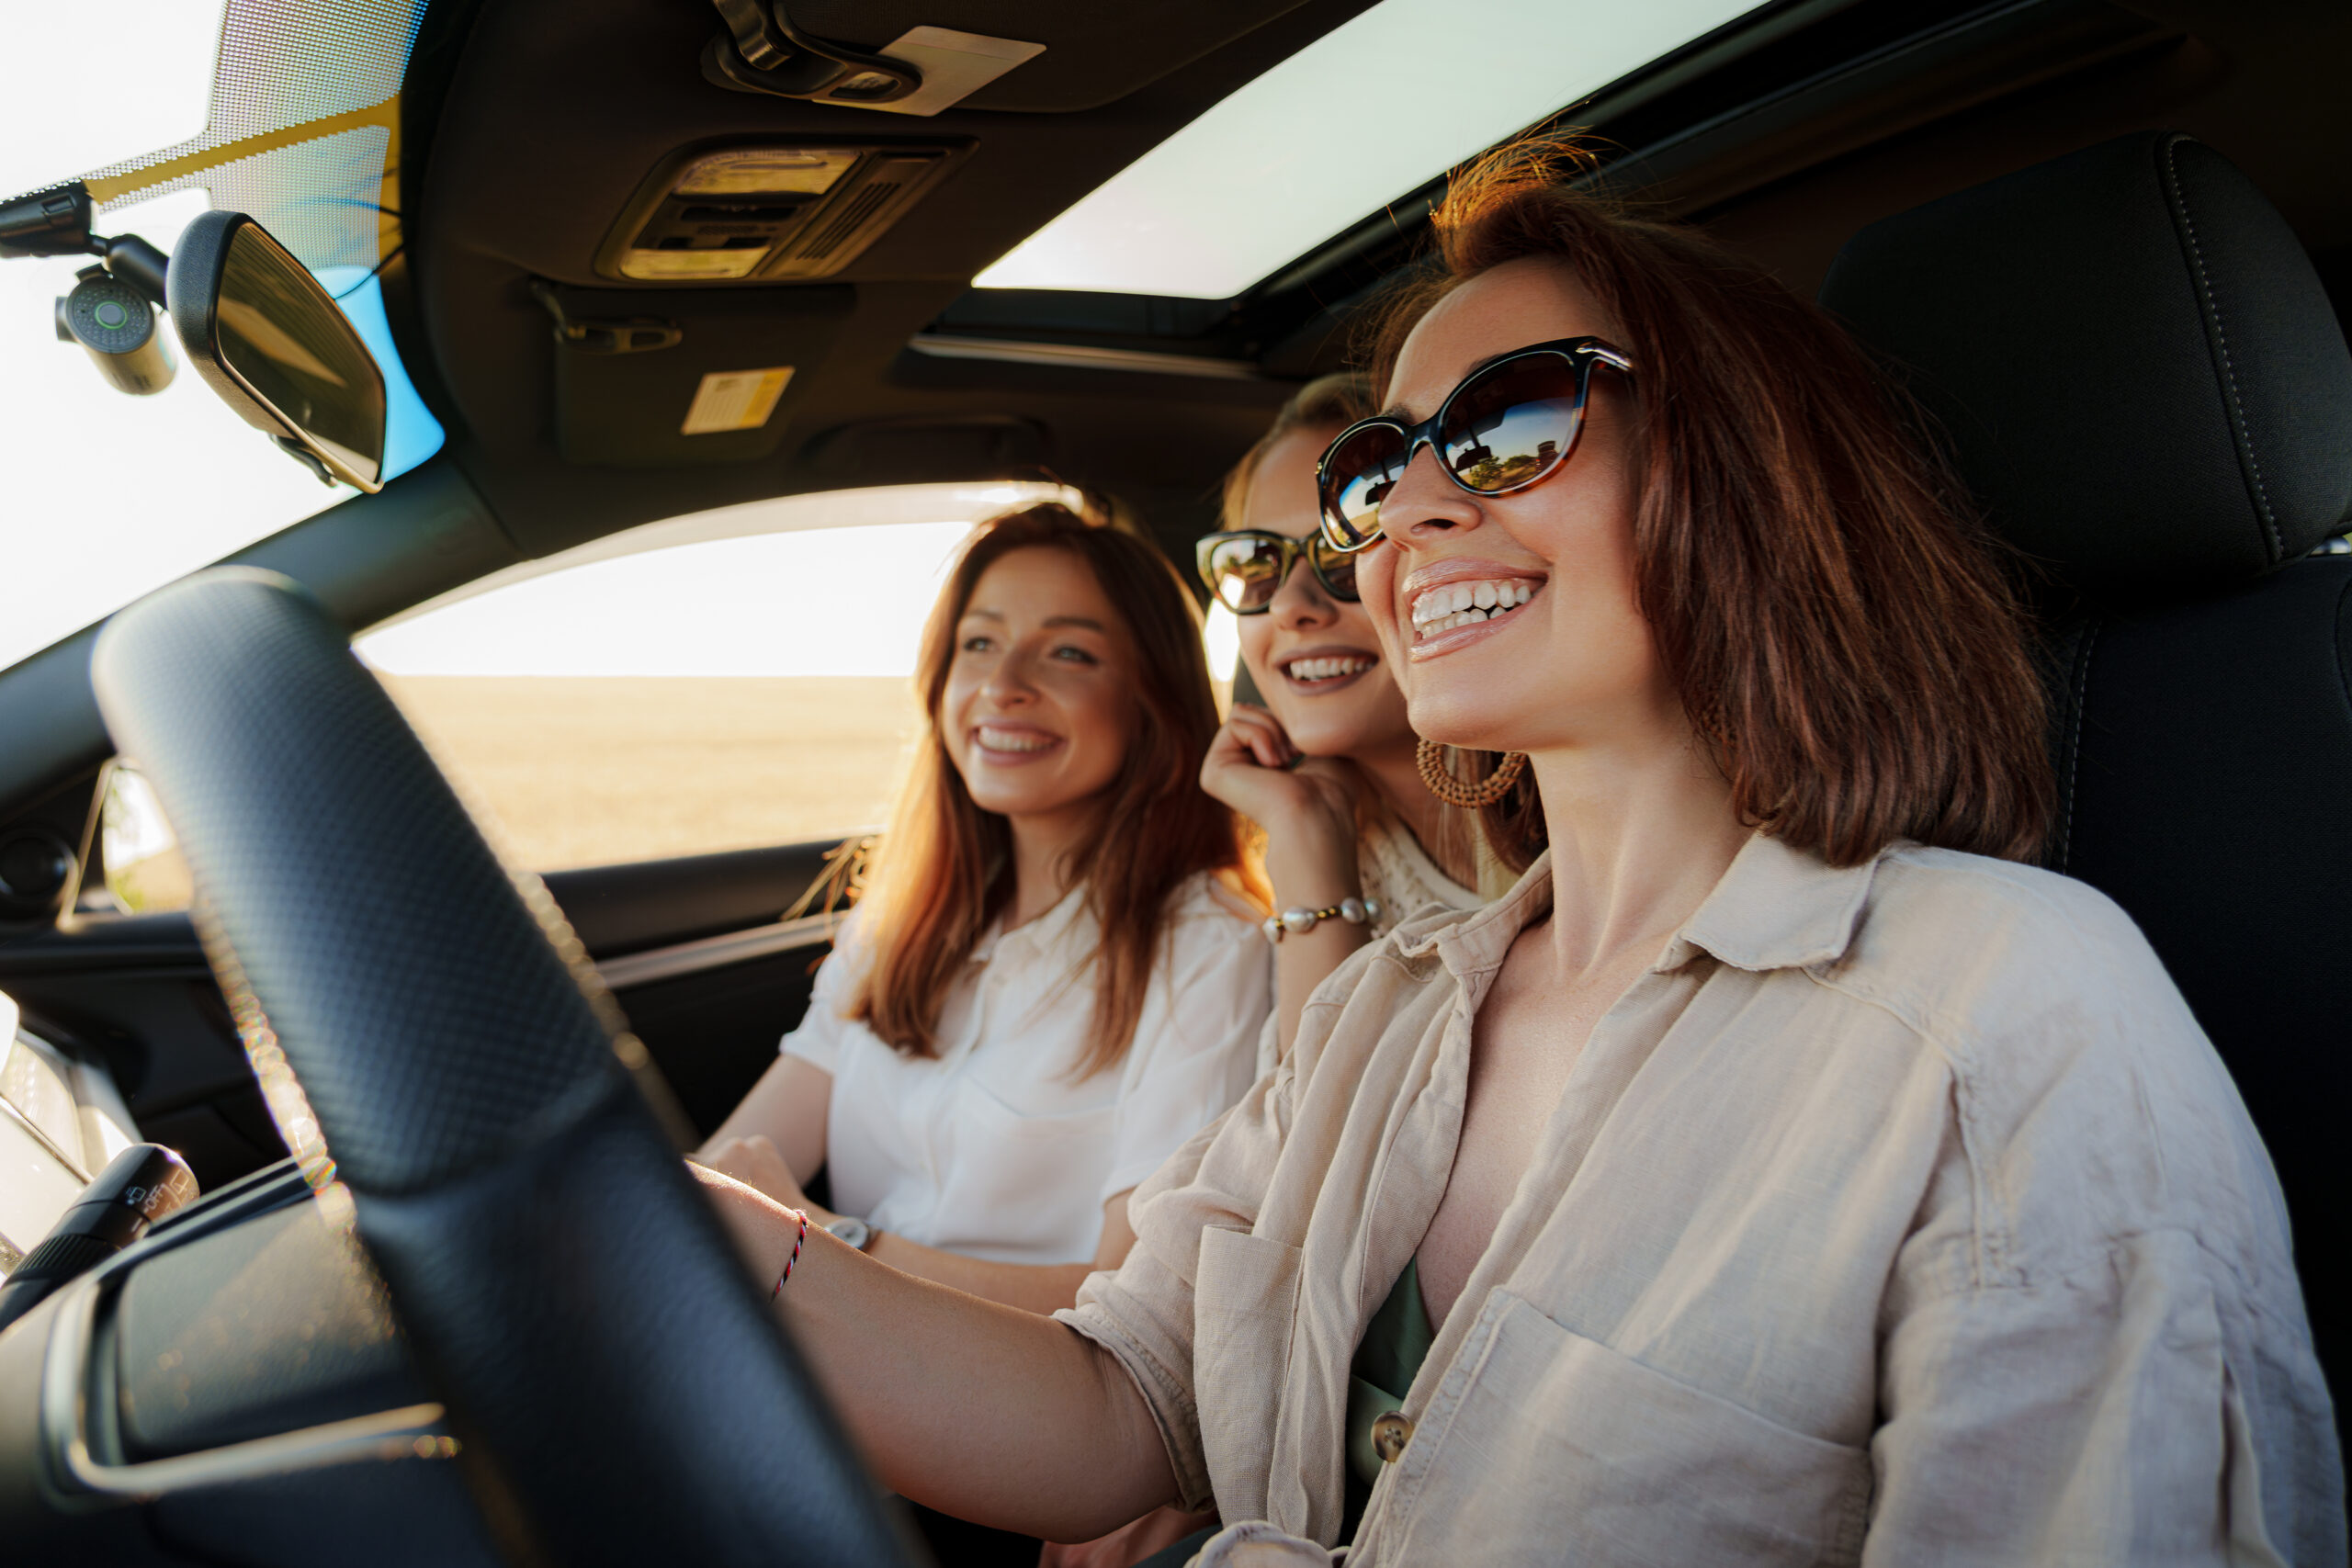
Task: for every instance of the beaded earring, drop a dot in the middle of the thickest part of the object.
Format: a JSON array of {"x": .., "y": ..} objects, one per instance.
[{"x": 1442, "y": 782}]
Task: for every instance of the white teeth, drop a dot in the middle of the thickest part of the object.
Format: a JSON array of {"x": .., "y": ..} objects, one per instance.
[
  {"x": 1328, "y": 668},
  {"x": 1457, "y": 599},
  {"x": 1012, "y": 740}
]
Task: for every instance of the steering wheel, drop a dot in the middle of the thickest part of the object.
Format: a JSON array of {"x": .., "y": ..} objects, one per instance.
[{"x": 619, "y": 1391}]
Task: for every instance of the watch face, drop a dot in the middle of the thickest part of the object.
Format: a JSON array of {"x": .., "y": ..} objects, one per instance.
[{"x": 853, "y": 1232}]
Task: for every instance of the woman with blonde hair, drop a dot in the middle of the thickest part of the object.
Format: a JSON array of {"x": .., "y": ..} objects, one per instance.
[
  {"x": 1785, "y": 1170},
  {"x": 1356, "y": 837}
]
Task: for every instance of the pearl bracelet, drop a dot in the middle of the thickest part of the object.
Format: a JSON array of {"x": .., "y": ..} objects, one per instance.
[{"x": 1299, "y": 922}]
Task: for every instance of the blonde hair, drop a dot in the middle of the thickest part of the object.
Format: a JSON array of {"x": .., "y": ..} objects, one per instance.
[
  {"x": 1327, "y": 402},
  {"x": 1333, "y": 403}
]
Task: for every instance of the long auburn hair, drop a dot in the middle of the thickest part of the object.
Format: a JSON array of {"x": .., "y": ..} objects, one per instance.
[
  {"x": 944, "y": 868},
  {"x": 1839, "y": 628}
]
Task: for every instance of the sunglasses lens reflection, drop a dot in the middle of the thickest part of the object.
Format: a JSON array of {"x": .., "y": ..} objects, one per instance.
[
  {"x": 1511, "y": 426},
  {"x": 1337, "y": 571},
  {"x": 1245, "y": 572},
  {"x": 1358, "y": 473}
]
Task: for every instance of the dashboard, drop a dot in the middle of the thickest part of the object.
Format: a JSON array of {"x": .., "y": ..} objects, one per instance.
[
  {"x": 231, "y": 1387},
  {"x": 61, "y": 1120}
]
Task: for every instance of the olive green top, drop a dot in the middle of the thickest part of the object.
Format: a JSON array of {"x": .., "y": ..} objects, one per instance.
[{"x": 1395, "y": 1345}]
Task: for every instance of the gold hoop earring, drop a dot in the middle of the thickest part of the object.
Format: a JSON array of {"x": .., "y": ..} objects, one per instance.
[{"x": 1442, "y": 782}]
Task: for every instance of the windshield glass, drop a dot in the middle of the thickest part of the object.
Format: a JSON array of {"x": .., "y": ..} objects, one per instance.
[{"x": 285, "y": 110}]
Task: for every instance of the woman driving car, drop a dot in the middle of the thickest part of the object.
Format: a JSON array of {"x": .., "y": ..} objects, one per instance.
[{"x": 1784, "y": 1170}]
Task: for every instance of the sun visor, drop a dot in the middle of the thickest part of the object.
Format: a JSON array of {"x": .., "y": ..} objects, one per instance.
[{"x": 658, "y": 378}]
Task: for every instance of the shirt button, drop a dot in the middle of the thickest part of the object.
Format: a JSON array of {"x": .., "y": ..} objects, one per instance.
[{"x": 1390, "y": 1432}]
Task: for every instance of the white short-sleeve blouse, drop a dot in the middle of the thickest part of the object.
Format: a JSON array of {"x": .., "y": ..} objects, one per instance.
[{"x": 990, "y": 1149}]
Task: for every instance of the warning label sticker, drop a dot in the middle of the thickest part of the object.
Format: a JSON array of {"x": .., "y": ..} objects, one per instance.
[{"x": 735, "y": 399}]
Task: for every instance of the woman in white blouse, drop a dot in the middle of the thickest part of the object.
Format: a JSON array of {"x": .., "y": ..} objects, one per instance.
[
  {"x": 1329, "y": 766},
  {"x": 1057, "y": 976}
]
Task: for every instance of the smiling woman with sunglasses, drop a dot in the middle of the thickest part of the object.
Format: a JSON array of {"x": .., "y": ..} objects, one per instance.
[
  {"x": 1785, "y": 1170},
  {"x": 1327, "y": 767}
]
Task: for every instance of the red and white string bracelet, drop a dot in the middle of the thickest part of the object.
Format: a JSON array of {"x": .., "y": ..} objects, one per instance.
[{"x": 802, "y": 1215}]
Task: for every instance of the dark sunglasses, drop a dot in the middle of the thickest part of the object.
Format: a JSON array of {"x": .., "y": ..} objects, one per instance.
[
  {"x": 1247, "y": 568},
  {"x": 1509, "y": 424}
]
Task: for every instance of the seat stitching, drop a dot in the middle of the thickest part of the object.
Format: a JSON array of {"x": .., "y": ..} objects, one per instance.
[
  {"x": 2081, "y": 699},
  {"x": 2343, "y": 673},
  {"x": 2222, "y": 339}
]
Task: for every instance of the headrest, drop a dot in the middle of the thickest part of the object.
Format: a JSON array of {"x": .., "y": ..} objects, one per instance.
[{"x": 2134, "y": 364}]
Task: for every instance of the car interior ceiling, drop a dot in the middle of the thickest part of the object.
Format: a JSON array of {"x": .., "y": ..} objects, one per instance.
[{"x": 529, "y": 124}]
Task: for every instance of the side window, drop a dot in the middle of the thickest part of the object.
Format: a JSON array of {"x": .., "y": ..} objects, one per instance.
[
  {"x": 718, "y": 681},
  {"x": 144, "y": 872}
]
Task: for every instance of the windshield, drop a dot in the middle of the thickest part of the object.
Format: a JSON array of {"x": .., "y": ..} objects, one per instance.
[{"x": 285, "y": 110}]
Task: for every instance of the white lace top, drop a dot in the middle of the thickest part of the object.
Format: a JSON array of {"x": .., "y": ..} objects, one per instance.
[{"x": 1395, "y": 869}]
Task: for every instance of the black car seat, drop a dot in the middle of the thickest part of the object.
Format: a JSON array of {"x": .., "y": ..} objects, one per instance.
[{"x": 2136, "y": 370}]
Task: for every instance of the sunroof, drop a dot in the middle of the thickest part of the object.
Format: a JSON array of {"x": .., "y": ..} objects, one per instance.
[{"x": 1364, "y": 115}]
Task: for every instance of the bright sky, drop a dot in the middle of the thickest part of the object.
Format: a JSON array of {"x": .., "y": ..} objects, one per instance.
[
  {"x": 833, "y": 602},
  {"x": 1373, "y": 110},
  {"x": 109, "y": 496},
  {"x": 831, "y": 584},
  {"x": 157, "y": 78}
]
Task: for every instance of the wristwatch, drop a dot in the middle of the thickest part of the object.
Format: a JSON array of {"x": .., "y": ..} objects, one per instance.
[
  {"x": 1299, "y": 922},
  {"x": 855, "y": 1232}
]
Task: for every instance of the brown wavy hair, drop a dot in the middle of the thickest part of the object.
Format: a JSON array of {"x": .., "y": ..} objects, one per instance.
[
  {"x": 944, "y": 868},
  {"x": 1843, "y": 633}
]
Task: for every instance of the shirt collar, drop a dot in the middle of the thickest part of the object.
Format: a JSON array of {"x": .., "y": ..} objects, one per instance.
[
  {"x": 1776, "y": 908},
  {"x": 1480, "y": 939},
  {"x": 1039, "y": 935}
]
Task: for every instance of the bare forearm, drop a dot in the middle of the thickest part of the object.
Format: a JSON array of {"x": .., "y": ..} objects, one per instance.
[
  {"x": 787, "y": 1107},
  {"x": 1032, "y": 1287},
  {"x": 976, "y": 1409}
]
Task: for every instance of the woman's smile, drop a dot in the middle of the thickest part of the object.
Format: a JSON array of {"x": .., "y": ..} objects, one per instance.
[
  {"x": 1453, "y": 603},
  {"x": 1012, "y": 745},
  {"x": 1326, "y": 668}
]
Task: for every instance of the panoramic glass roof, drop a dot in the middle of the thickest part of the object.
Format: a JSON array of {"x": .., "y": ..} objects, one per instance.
[{"x": 1369, "y": 113}]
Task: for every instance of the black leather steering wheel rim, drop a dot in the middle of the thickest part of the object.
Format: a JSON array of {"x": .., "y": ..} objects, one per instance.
[{"x": 619, "y": 1391}]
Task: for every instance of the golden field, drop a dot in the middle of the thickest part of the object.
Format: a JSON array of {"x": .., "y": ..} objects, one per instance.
[{"x": 591, "y": 771}]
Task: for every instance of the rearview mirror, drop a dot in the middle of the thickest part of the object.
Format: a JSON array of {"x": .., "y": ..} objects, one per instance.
[{"x": 275, "y": 346}]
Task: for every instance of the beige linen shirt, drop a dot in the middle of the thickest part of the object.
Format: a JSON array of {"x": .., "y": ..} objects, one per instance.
[{"x": 1898, "y": 1213}]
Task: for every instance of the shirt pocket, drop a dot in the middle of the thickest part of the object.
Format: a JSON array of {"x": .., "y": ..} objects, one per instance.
[
  {"x": 1543, "y": 1446},
  {"x": 1245, "y": 1303}
]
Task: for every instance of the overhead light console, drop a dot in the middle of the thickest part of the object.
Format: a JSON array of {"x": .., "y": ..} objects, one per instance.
[{"x": 768, "y": 212}]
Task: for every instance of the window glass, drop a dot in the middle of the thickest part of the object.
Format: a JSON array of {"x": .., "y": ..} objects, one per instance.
[
  {"x": 110, "y": 495},
  {"x": 718, "y": 681},
  {"x": 144, "y": 872},
  {"x": 1364, "y": 115}
]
